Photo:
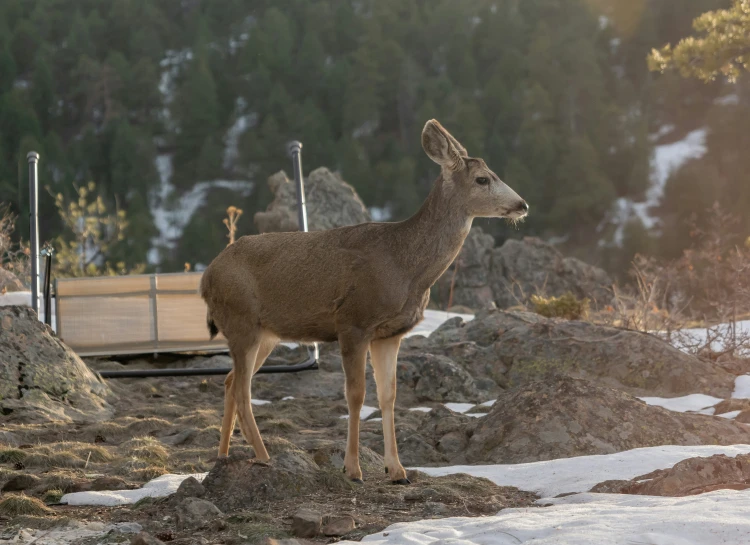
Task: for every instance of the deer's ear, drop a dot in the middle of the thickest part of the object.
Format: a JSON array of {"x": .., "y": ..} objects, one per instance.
[{"x": 441, "y": 147}]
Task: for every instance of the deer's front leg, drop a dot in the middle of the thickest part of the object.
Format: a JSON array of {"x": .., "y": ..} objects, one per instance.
[
  {"x": 354, "y": 355},
  {"x": 384, "y": 357}
]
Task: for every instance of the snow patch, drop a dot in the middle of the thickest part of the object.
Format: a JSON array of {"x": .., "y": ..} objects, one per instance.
[
  {"x": 688, "y": 403},
  {"x": 590, "y": 519},
  {"x": 741, "y": 387},
  {"x": 156, "y": 488},
  {"x": 171, "y": 218},
  {"x": 460, "y": 407},
  {"x": 581, "y": 473},
  {"x": 364, "y": 413},
  {"x": 434, "y": 319},
  {"x": 667, "y": 158}
]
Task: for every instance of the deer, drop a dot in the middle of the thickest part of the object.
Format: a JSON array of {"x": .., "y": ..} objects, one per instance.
[{"x": 364, "y": 286}]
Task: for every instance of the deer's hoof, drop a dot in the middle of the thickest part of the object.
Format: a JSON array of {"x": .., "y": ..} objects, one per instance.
[
  {"x": 402, "y": 481},
  {"x": 358, "y": 481}
]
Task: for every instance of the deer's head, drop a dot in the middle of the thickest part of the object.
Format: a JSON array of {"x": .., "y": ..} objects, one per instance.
[{"x": 472, "y": 186}]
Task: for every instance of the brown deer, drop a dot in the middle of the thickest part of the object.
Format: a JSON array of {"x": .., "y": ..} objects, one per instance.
[{"x": 364, "y": 286}]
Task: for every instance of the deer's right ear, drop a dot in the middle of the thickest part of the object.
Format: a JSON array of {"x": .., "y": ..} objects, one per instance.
[{"x": 441, "y": 147}]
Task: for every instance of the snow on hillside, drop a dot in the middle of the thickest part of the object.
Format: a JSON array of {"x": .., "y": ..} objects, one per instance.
[
  {"x": 171, "y": 218},
  {"x": 666, "y": 159}
]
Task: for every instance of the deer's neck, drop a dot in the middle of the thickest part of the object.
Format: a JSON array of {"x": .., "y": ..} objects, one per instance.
[{"x": 434, "y": 236}]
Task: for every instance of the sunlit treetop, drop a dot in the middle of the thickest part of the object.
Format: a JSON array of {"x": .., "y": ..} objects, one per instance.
[{"x": 721, "y": 48}]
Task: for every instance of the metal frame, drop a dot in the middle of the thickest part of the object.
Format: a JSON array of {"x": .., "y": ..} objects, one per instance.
[{"x": 311, "y": 363}]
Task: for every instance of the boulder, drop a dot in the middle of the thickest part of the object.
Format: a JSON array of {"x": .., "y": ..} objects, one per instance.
[
  {"x": 521, "y": 268},
  {"x": 43, "y": 380},
  {"x": 521, "y": 346},
  {"x": 9, "y": 281},
  {"x": 484, "y": 276},
  {"x": 331, "y": 202},
  {"x": 470, "y": 273},
  {"x": 562, "y": 417},
  {"x": 687, "y": 478},
  {"x": 437, "y": 378},
  {"x": 238, "y": 481},
  {"x": 193, "y": 513}
]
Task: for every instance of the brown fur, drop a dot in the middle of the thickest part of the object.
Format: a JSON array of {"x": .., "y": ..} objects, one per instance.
[{"x": 364, "y": 286}]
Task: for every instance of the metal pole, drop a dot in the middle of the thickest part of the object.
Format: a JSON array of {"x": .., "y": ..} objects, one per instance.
[
  {"x": 47, "y": 253},
  {"x": 33, "y": 159},
  {"x": 295, "y": 148}
]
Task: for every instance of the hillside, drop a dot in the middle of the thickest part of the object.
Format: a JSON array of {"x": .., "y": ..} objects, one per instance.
[{"x": 178, "y": 109}]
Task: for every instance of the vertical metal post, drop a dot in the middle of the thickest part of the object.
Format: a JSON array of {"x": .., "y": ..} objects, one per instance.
[
  {"x": 295, "y": 148},
  {"x": 33, "y": 159},
  {"x": 47, "y": 252}
]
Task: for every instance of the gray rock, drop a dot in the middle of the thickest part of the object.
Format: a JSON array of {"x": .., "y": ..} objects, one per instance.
[
  {"x": 9, "y": 439},
  {"x": 562, "y": 417},
  {"x": 339, "y": 526},
  {"x": 9, "y": 281},
  {"x": 41, "y": 379},
  {"x": 518, "y": 347},
  {"x": 18, "y": 483},
  {"x": 471, "y": 282},
  {"x": 436, "y": 378},
  {"x": 306, "y": 523},
  {"x": 331, "y": 202},
  {"x": 193, "y": 513},
  {"x": 191, "y": 488},
  {"x": 237, "y": 482},
  {"x": 144, "y": 538},
  {"x": 521, "y": 268}
]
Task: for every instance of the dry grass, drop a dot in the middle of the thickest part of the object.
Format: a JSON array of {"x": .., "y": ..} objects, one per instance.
[
  {"x": 201, "y": 418},
  {"x": 53, "y": 496},
  {"x": 14, "y": 505},
  {"x": 146, "y": 449},
  {"x": 566, "y": 306},
  {"x": 12, "y": 456},
  {"x": 57, "y": 460}
]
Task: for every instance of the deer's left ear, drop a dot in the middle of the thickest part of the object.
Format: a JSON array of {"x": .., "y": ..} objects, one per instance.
[{"x": 441, "y": 147}]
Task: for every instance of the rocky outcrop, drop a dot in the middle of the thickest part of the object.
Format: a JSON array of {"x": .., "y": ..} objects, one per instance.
[
  {"x": 687, "y": 478},
  {"x": 507, "y": 276},
  {"x": 563, "y": 417},
  {"x": 521, "y": 268},
  {"x": 9, "y": 281},
  {"x": 331, "y": 202},
  {"x": 513, "y": 348},
  {"x": 41, "y": 379}
]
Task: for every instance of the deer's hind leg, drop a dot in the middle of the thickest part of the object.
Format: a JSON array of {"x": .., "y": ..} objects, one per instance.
[
  {"x": 267, "y": 345},
  {"x": 384, "y": 356},
  {"x": 245, "y": 354}
]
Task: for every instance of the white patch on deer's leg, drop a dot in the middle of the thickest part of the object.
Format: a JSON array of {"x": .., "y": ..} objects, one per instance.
[
  {"x": 354, "y": 355},
  {"x": 384, "y": 357},
  {"x": 242, "y": 383}
]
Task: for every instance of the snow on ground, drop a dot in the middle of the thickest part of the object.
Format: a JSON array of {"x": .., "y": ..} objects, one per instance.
[
  {"x": 156, "y": 488},
  {"x": 460, "y": 407},
  {"x": 741, "y": 387},
  {"x": 591, "y": 519},
  {"x": 364, "y": 413},
  {"x": 434, "y": 319},
  {"x": 695, "y": 336},
  {"x": 666, "y": 159},
  {"x": 692, "y": 402},
  {"x": 580, "y": 473}
]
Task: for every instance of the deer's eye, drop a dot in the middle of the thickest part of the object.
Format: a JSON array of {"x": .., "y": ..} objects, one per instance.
[{"x": 482, "y": 180}]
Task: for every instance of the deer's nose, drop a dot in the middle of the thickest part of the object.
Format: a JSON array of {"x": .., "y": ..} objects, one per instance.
[{"x": 524, "y": 206}]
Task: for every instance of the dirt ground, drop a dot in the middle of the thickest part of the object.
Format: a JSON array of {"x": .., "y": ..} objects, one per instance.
[{"x": 171, "y": 425}]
